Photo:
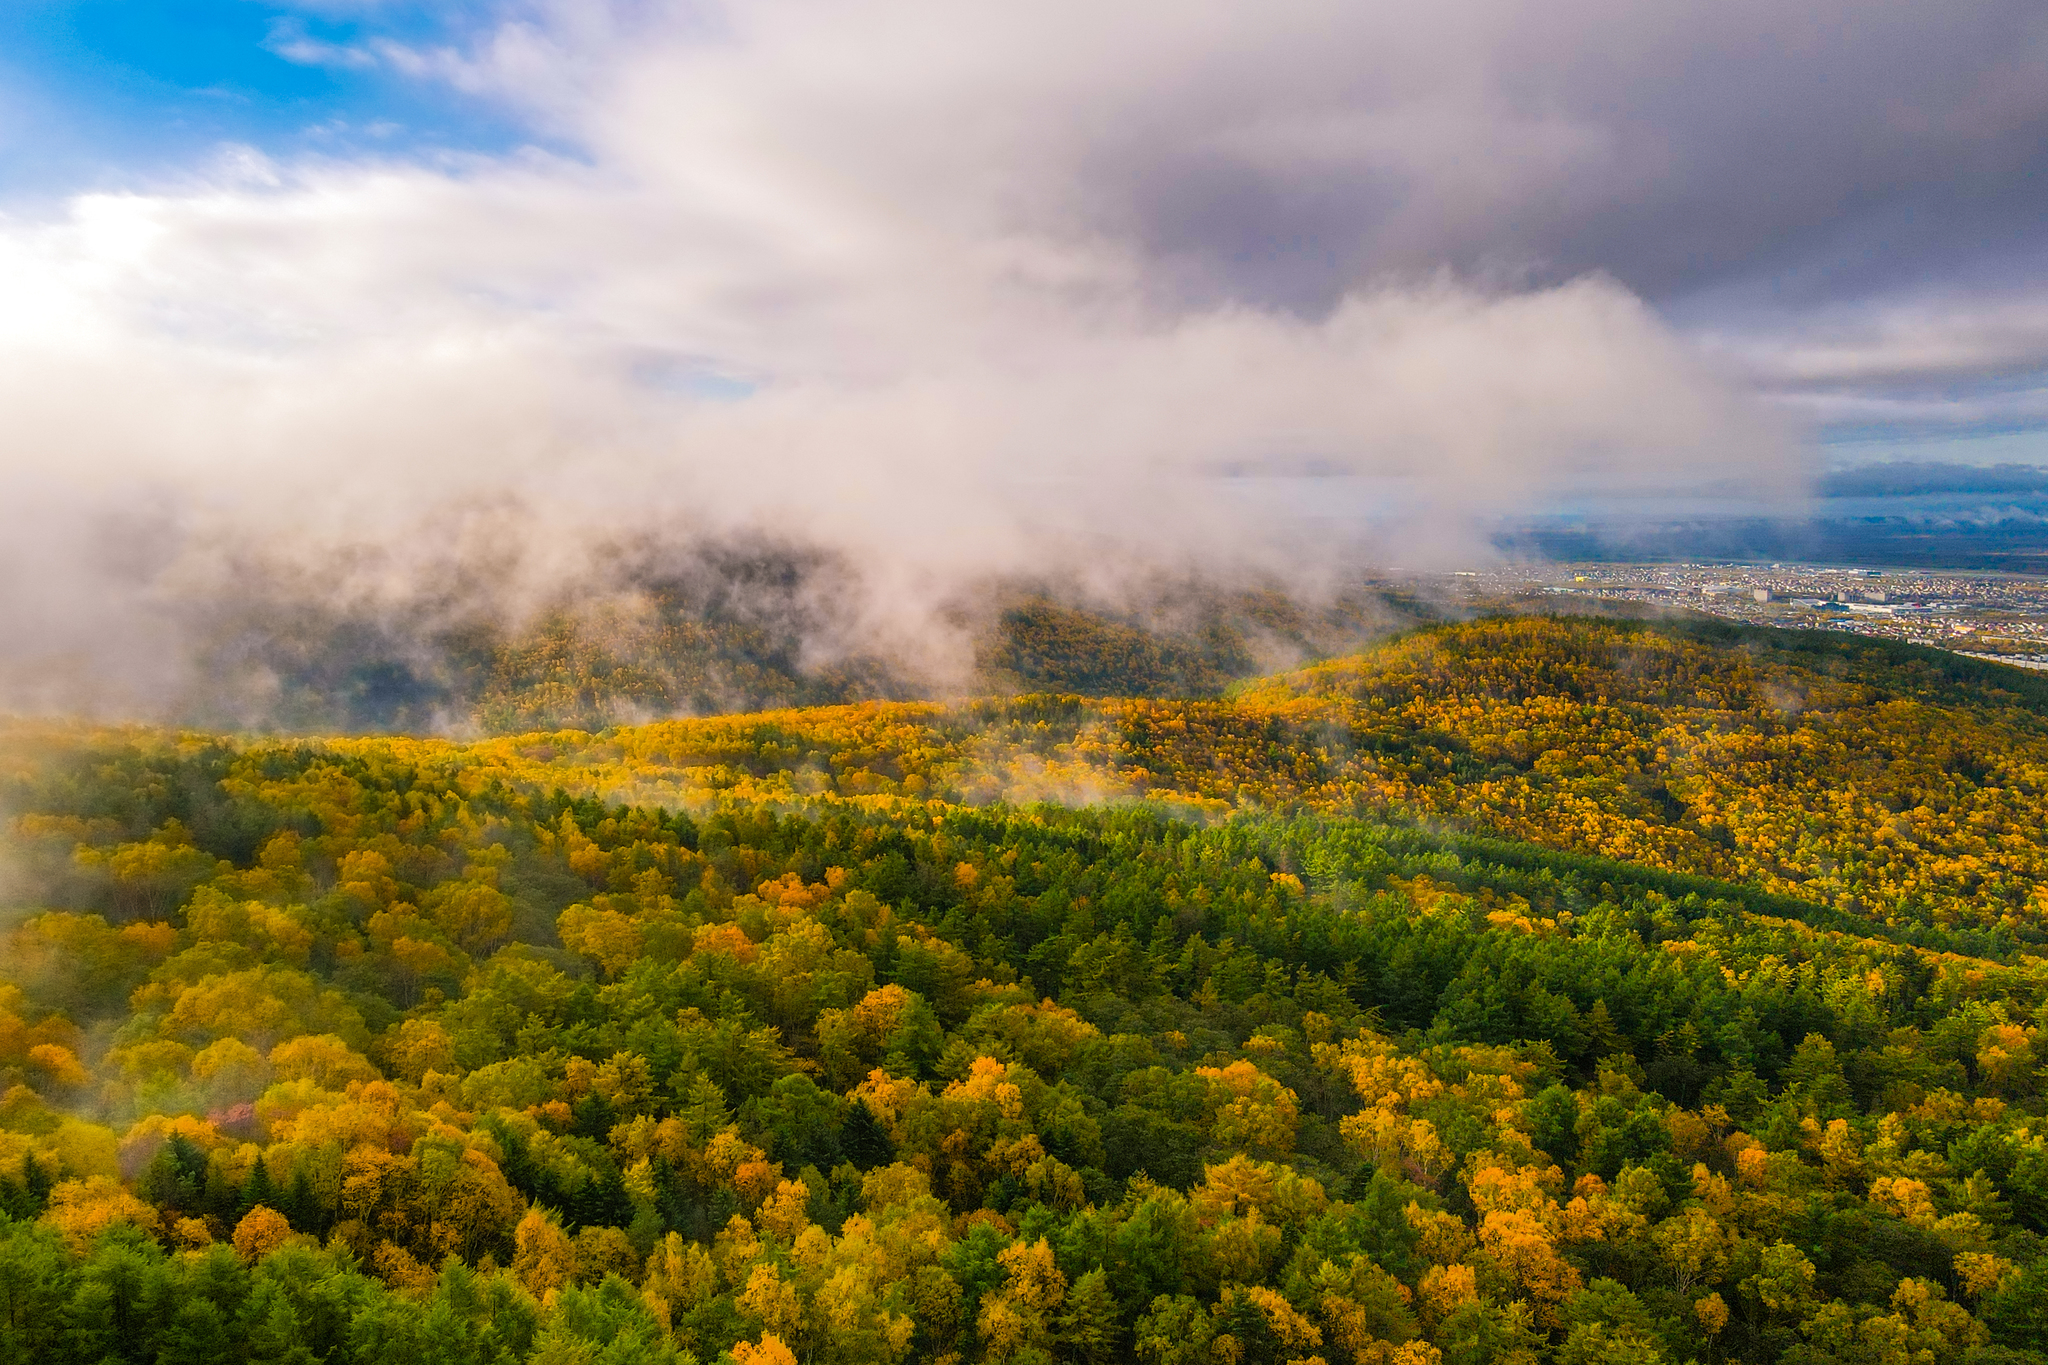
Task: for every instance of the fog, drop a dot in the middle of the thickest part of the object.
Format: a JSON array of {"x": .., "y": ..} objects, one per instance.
[{"x": 951, "y": 295}]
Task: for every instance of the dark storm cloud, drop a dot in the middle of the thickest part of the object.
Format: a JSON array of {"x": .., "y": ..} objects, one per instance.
[
  {"x": 1786, "y": 181},
  {"x": 1832, "y": 149}
]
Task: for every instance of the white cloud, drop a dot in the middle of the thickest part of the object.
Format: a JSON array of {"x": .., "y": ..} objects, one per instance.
[
  {"x": 932, "y": 244},
  {"x": 288, "y": 39},
  {"x": 1950, "y": 336}
]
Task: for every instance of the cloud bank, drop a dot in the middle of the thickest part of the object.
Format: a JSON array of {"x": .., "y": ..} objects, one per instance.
[{"x": 966, "y": 290}]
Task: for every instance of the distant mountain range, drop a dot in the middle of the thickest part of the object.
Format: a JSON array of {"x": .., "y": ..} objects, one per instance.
[{"x": 1918, "y": 478}]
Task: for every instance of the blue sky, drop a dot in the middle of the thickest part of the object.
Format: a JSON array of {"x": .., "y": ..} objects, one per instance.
[{"x": 98, "y": 93}]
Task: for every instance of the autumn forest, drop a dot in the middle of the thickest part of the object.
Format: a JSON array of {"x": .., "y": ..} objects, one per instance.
[{"x": 1522, "y": 989}]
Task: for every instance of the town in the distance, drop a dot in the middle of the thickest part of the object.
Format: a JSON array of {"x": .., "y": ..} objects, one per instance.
[{"x": 2002, "y": 616}]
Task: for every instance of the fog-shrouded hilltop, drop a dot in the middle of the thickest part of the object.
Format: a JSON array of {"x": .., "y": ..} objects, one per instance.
[
  {"x": 498, "y": 635},
  {"x": 1521, "y": 989},
  {"x": 741, "y": 624}
]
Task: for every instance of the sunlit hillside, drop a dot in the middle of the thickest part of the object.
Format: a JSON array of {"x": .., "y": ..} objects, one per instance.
[
  {"x": 1521, "y": 989},
  {"x": 1902, "y": 784}
]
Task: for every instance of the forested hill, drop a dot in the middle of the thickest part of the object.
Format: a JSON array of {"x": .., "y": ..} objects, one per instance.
[
  {"x": 1522, "y": 990},
  {"x": 1899, "y": 784},
  {"x": 737, "y": 628}
]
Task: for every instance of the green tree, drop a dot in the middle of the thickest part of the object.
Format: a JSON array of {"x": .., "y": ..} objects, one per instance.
[{"x": 1090, "y": 1329}]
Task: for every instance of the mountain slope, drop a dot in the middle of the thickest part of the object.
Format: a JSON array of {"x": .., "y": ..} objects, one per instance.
[
  {"x": 1899, "y": 784},
  {"x": 383, "y": 1048}
]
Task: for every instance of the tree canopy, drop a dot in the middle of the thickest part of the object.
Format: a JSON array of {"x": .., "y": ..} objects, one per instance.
[{"x": 1522, "y": 991}]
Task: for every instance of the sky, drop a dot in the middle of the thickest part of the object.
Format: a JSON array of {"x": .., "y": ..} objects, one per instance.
[
  {"x": 355, "y": 291},
  {"x": 108, "y": 93}
]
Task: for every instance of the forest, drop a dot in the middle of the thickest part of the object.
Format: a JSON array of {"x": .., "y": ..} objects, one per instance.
[
  {"x": 734, "y": 625},
  {"x": 1520, "y": 990}
]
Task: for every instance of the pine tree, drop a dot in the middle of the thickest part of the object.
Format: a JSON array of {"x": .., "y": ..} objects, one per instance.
[
  {"x": 257, "y": 1189},
  {"x": 223, "y": 1197},
  {"x": 197, "y": 1335},
  {"x": 704, "y": 1108},
  {"x": 14, "y": 1202},
  {"x": 176, "y": 1176},
  {"x": 672, "y": 1201},
  {"x": 864, "y": 1140},
  {"x": 270, "y": 1329},
  {"x": 1090, "y": 1329},
  {"x": 301, "y": 1207},
  {"x": 36, "y": 1182},
  {"x": 1601, "y": 1034},
  {"x": 601, "y": 1202}
]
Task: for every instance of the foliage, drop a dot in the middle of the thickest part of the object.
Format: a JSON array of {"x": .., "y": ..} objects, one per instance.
[{"x": 780, "y": 1037}]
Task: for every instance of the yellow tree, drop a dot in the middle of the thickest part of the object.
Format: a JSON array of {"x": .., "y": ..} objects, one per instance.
[
  {"x": 1017, "y": 1319},
  {"x": 1694, "y": 1246},
  {"x": 82, "y": 1209},
  {"x": 260, "y": 1232},
  {"x": 544, "y": 1259}
]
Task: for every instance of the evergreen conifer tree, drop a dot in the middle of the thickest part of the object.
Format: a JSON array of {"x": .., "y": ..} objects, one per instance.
[
  {"x": 704, "y": 1108},
  {"x": 866, "y": 1143},
  {"x": 301, "y": 1207},
  {"x": 35, "y": 1182},
  {"x": 1090, "y": 1328},
  {"x": 257, "y": 1189}
]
